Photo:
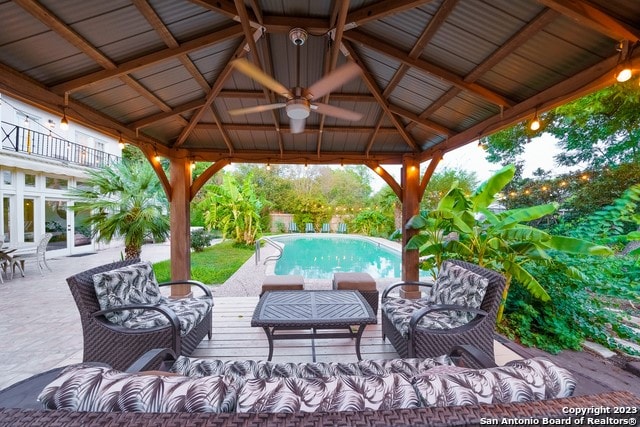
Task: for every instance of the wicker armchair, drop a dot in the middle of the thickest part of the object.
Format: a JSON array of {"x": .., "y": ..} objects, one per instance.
[
  {"x": 422, "y": 341},
  {"x": 119, "y": 346}
]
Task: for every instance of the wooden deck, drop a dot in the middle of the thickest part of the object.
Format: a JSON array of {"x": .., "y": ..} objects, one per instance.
[{"x": 235, "y": 339}]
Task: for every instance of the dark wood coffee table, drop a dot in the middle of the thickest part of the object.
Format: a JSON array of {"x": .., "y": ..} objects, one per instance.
[{"x": 314, "y": 310}]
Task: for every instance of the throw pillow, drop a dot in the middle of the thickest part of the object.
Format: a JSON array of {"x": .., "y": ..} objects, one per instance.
[
  {"x": 133, "y": 284},
  {"x": 459, "y": 286},
  {"x": 102, "y": 389}
]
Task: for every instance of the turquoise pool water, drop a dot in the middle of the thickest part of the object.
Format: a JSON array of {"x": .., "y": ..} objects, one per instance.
[{"x": 319, "y": 256}]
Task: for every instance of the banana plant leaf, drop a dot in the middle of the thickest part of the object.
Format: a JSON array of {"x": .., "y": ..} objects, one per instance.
[
  {"x": 577, "y": 246},
  {"x": 486, "y": 192},
  {"x": 524, "y": 233},
  {"x": 527, "y": 280},
  {"x": 528, "y": 214}
]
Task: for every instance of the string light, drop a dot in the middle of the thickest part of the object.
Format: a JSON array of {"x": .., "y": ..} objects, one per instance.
[{"x": 535, "y": 123}]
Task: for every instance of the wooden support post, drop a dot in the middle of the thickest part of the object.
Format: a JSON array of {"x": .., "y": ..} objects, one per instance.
[
  {"x": 180, "y": 225},
  {"x": 410, "y": 207}
]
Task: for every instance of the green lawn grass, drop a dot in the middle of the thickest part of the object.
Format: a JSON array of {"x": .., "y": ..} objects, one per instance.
[{"x": 212, "y": 266}]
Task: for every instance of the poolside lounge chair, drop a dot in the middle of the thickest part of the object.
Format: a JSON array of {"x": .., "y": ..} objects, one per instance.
[
  {"x": 293, "y": 227},
  {"x": 326, "y": 228},
  {"x": 342, "y": 228},
  {"x": 309, "y": 228}
]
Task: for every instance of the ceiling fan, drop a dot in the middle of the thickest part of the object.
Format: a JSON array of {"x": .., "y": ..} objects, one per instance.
[{"x": 300, "y": 101}]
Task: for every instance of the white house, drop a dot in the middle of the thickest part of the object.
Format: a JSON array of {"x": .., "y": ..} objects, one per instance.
[{"x": 39, "y": 162}]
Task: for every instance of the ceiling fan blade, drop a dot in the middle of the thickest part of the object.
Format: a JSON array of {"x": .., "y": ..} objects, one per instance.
[
  {"x": 255, "y": 73},
  {"x": 296, "y": 125},
  {"x": 256, "y": 109},
  {"x": 336, "y": 112},
  {"x": 333, "y": 80}
]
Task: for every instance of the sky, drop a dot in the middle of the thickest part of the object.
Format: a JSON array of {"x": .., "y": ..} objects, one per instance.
[{"x": 539, "y": 153}]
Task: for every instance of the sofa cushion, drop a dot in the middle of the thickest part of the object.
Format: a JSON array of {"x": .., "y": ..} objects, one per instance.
[
  {"x": 133, "y": 284},
  {"x": 101, "y": 389},
  {"x": 190, "y": 312},
  {"x": 248, "y": 369},
  {"x": 518, "y": 381},
  {"x": 342, "y": 393}
]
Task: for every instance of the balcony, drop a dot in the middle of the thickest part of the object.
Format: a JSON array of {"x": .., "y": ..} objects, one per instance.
[{"x": 23, "y": 140}]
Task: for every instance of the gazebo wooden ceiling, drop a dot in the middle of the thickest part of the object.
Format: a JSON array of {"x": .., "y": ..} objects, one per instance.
[{"x": 435, "y": 75}]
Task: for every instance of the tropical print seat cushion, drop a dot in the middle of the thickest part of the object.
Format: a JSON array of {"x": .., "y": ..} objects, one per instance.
[
  {"x": 517, "y": 381},
  {"x": 342, "y": 393},
  {"x": 248, "y": 369},
  {"x": 101, "y": 389},
  {"x": 133, "y": 284},
  {"x": 136, "y": 284},
  {"x": 190, "y": 312},
  {"x": 454, "y": 285}
]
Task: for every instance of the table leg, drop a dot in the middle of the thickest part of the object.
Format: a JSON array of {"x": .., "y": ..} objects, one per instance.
[
  {"x": 267, "y": 331},
  {"x": 358, "y": 336}
]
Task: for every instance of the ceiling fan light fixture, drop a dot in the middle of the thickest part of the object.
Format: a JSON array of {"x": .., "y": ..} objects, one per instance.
[{"x": 298, "y": 109}]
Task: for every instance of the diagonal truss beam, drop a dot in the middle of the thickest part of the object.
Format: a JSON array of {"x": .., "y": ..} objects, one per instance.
[
  {"x": 379, "y": 10},
  {"x": 149, "y": 59},
  {"x": 377, "y": 93},
  {"x": 378, "y": 45}
]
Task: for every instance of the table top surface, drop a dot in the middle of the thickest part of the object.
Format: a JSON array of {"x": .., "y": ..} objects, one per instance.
[{"x": 325, "y": 308}]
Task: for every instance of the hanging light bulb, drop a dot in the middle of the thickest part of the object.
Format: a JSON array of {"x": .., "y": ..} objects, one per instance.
[
  {"x": 121, "y": 142},
  {"x": 193, "y": 164},
  {"x": 26, "y": 120},
  {"x": 64, "y": 123},
  {"x": 156, "y": 156},
  {"x": 624, "y": 73},
  {"x": 535, "y": 123},
  {"x": 268, "y": 166}
]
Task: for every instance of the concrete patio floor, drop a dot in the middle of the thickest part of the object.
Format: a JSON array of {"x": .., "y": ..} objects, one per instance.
[{"x": 40, "y": 327}]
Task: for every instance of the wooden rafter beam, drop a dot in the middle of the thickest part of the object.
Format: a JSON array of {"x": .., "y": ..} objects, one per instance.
[
  {"x": 294, "y": 157},
  {"x": 587, "y": 81},
  {"x": 377, "y": 93},
  {"x": 442, "y": 130},
  {"x": 533, "y": 27},
  {"x": 589, "y": 15},
  {"x": 202, "y": 179},
  {"x": 149, "y": 59},
  {"x": 381, "y": 9},
  {"x": 378, "y": 45},
  {"x": 60, "y": 28},
  {"x": 307, "y": 130},
  {"x": 159, "y": 117},
  {"x": 18, "y": 86},
  {"x": 387, "y": 177},
  {"x": 433, "y": 164},
  {"x": 165, "y": 34},
  {"x": 340, "y": 12},
  {"x": 224, "y": 7}
]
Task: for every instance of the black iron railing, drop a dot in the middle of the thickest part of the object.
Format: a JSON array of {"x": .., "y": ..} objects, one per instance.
[{"x": 40, "y": 144}]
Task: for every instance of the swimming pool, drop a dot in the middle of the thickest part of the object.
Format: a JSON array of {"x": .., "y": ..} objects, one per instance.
[{"x": 319, "y": 256}]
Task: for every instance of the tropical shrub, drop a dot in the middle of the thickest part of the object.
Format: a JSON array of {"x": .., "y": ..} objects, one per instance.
[
  {"x": 464, "y": 227},
  {"x": 372, "y": 223},
  {"x": 234, "y": 209},
  {"x": 200, "y": 239}
]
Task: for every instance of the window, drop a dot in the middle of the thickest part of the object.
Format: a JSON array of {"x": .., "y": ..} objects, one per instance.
[
  {"x": 56, "y": 183},
  {"x": 29, "y": 180},
  {"x": 6, "y": 218},
  {"x": 7, "y": 177},
  {"x": 29, "y": 217}
]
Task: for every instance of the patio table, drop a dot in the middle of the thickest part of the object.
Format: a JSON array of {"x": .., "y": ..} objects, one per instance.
[{"x": 283, "y": 311}]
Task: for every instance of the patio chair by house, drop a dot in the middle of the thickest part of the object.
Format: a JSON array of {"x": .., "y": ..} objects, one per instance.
[
  {"x": 342, "y": 228},
  {"x": 308, "y": 228},
  {"x": 326, "y": 228},
  {"x": 459, "y": 308},
  {"x": 40, "y": 256},
  {"x": 139, "y": 318},
  {"x": 293, "y": 227}
]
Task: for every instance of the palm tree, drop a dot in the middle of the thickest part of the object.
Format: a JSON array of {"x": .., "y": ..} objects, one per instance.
[{"x": 125, "y": 200}]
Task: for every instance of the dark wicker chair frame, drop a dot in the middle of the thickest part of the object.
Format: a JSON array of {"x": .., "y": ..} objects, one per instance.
[
  {"x": 424, "y": 342},
  {"x": 119, "y": 347}
]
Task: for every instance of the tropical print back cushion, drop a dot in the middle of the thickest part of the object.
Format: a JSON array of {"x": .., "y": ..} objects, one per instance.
[
  {"x": 190, "y": 312},
  {"x": 518, "y": 381},
  {"x": 248, "y": 369},
  {"x": 101, "y": 389},
  {"x": 133, "y": 284},
  {"x": 459, "y": 286},
  {"x": 344, "y": 393}
]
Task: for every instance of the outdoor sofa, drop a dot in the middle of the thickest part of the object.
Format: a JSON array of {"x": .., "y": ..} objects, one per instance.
[
  {"x": 417, "y": 392},
  {"x": 124, "y": 314}
]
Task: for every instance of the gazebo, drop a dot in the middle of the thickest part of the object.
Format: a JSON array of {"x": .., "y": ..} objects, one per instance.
[{"x": 373, "y": 82}]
